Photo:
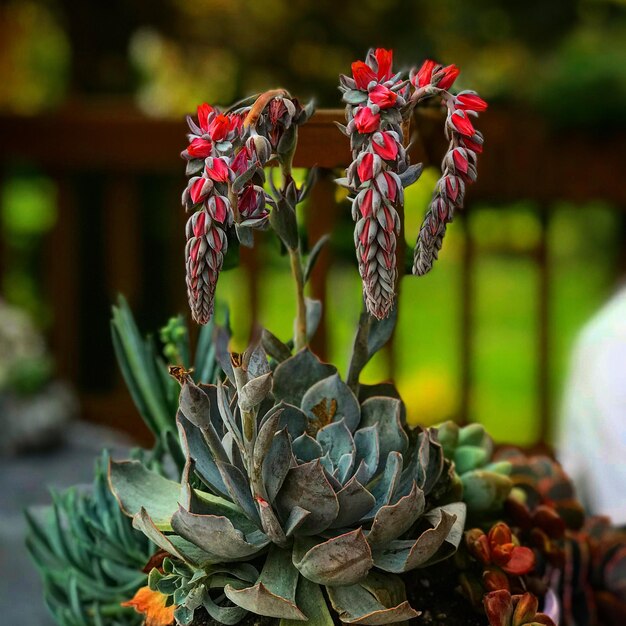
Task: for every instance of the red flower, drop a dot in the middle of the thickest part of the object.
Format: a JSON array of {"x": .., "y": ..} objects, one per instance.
[
  {"x": 199, "y": 189},
  {"x": 217, "y": 207},
  {"x": 366, "y": 203},
  {"x": 392, "y": 186},
  {"x": 462, "y": 124},
  {"x": 383, "y": 96},
  {"x": 475, "y": 146},
  {"x": 204, "y": 111},
  {"x": 384, "y": 60},
  {"x": 220, "y": 127},
  {"x": 425, "y": 73},
  {"x": 365, "y": 168},
  {"x": 449, "y": 75},
  {"x": 200, "y": 148},
  {"x": 459, "y": 156},
  {"x": 468, "y": 100},
  {"x": 363, "y": 74},
  {"x": 366, "y": 121},
  {"x": 385, "y": 146},
  {"x": 240, "y": 163},
  {"x": 152, "y": 605},
  {"x": 217, "y": 170}
]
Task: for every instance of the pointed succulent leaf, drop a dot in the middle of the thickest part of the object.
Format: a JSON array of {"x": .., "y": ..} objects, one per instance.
[
  {"x": 367, "y": 451},
  {"x": 195, "y": 448},
  {"x": 172, "y": 544},
  {"x": 354, "y": 502},
  {"x": 137, "y": 488},
  {"x": 386, "y": 412},
  {"x": 403, "y": 555},
  {"x": 311, "y": 601},
  {"x": 342, "y": 560},
  {"x": 376, "y": 601},
  {"x": 314, "y": 255},
  {"x": 254, "y": 360},
  {"x": 217, "y": 535},
  {"x": 293, "y": 377},
  {"x": 292, "y": 418},
  {"x": 336, "y": 441},
  {"x": 385, "y": 484},
  {"x": 229, "y": 615},
  {"x": 306, "y": 486},
  {"x": 394, "y": 520},
  {"x": 336, "y": 394},
  {"x": 227, "y": 414},
  {"x": 274, "y": 347},
  {"x": 264, "y": 438},
  {"x": 238, "y": 487},
  {"x": 195, "y": 405},
  {"x": 476, "y": 435},
  {"x": 313, "y": 317},
  {"x": 296, "y": 518},
  {"x": 276, "y": 463},
  {"x": 306, "y": 449},
  {"x": 274, "y": 594},
  {"x": 411, "y": 174},
  {"x": 255, "y": 391}
]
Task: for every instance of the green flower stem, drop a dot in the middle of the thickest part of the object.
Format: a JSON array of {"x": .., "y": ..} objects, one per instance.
[{"x": 300, "y": 338}]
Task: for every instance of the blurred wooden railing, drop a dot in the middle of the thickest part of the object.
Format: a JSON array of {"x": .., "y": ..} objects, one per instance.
[{"x": 98, "y": 155}]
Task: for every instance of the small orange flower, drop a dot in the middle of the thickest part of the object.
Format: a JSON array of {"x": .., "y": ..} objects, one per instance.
[{"x": 152, "y": 605}]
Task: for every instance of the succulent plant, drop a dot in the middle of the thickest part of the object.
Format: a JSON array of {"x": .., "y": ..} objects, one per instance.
[
  {"x": 486, "y": 483},
  {"x": 89, "y": 556},
  {"x": 503, "y": 609},
  {"x": 320, "y": 486}
]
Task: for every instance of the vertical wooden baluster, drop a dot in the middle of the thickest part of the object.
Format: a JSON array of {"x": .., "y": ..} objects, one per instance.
[
  {"x": 543, "y": 330},
  {"x": 320, "y": 220},
  {"x": 122, "y": 232},
  {"x": 467, "y": 315},
  {"x": 61, "y": 277}
]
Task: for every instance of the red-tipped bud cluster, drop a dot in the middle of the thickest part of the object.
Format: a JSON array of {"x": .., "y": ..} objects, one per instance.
[
  {"x": 504, "y": 609},
  {"x": 459, "y": 164}
]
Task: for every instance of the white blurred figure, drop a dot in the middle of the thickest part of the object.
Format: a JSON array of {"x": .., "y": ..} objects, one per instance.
[{"x": 591, "y": 441}]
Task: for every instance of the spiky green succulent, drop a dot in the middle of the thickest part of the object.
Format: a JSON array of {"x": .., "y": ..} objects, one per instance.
[
  {"x": 318, "y": 486},
  {"x": 89, "y": 556},
  {"x": 485, "y": 482}
]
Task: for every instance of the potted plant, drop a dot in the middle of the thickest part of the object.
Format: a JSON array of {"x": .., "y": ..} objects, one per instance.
[{"x": 277, "y": 491}]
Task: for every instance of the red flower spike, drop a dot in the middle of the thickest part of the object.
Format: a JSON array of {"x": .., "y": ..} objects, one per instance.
[
  {"x": 462, "y": 124},
  {"x": 384, "y": 59},
  {"x": 449, "y": 75},
  {"x": 385, "y": 146},
  {"x": 425, "y": 73},
  {"x": 471, "y": 101},
  {"x": 363, "y": 74},
  {"x": 200, "y": 148},
  {"x": 521, "y": 561},
  {"x": 365, "y": 121},
  {"x": 220, "y": 127},
  {"x": 383, "y": 96},
  {"x": 204, "y": 110}
]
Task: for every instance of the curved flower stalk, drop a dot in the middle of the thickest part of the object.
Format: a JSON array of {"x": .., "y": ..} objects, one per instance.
[
  {"x": 321, "y": 486},
  {"x": 375, "y": 98},
  {"x": 379, "y": 105},
  {"x": 459, "y": 162},
  {"x": 225, "y": 159}
]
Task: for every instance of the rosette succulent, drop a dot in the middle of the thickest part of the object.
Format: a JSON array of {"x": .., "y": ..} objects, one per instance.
[
  {"x": 302, "y": 477},
  {"x": 485, "y": 481}
]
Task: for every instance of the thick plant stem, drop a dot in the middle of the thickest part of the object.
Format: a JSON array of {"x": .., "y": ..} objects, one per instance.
[{"x": 300, "y": 338}]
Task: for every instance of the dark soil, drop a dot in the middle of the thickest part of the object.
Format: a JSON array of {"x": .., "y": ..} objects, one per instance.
[{"x": 433, "y": 591}]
